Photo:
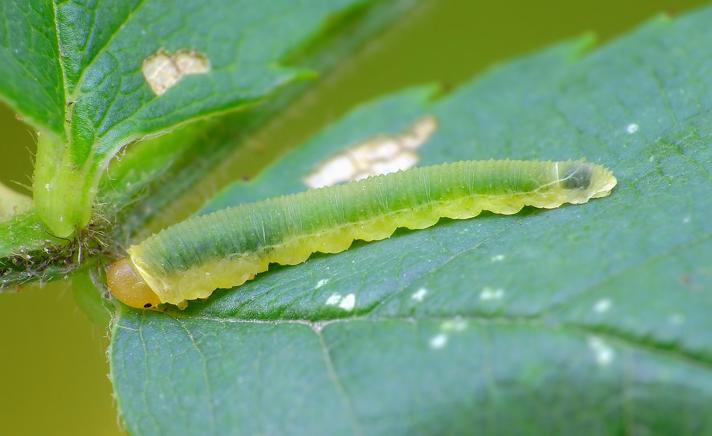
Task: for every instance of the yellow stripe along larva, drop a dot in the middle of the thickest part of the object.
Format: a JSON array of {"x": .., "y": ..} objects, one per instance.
[{"x": 228, "y": 247}]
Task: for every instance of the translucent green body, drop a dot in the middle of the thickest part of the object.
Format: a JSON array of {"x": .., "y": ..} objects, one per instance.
[{"x": 228, "y": 247}]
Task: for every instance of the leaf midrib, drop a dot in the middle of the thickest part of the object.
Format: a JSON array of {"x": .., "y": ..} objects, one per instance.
[{"x": 615, "y": 336}]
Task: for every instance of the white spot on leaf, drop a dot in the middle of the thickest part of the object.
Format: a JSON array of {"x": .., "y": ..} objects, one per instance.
[
  {"x": 497, "y": 258},
  {"x": 454, "y": 325},
  {"x": 489, "y": 294},
  {"x": 162, "y": 70},
  {"x": 321, "y": 283},
  {"x": 419, "y": 294},
  {"x": 686, "y": 220},
  {"x": 380, "y": 155},
  {"x": 438, "y": 341},
  {"x": 602, "y": 305},
  {"x": 632, "y": 128},
  {"x": 602, "y": 352}
]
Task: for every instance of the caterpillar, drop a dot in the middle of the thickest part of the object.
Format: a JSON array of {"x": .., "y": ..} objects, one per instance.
[{"x": 228, "y": 247}]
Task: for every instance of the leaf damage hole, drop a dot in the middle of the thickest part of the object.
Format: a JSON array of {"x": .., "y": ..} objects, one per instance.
[
  {"x": 379, "y": 155},
  {"x": 163, "y": 70}
]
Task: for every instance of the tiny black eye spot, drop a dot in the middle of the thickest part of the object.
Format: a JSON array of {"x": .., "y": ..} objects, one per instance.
[{"x": 147, "y": 305}]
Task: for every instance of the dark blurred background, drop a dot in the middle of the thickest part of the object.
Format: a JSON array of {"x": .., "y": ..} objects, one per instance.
[{"x": 53, "y": 370}]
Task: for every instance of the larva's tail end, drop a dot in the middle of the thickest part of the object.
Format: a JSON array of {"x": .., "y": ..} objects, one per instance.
[
  {"x": 591, "y": 180},
  {"x": 128, "y": 287},
  {"x": 603, "y": 182},
  {"x": 576, "y": 175}
]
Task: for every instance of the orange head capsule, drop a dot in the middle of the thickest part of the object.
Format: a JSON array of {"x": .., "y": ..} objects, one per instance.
[{"x": 128, "y": 287}]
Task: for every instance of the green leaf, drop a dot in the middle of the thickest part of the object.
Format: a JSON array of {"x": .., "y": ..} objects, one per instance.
[
  {"x": 143, "y": 185},
  {"x": 95, "y": 77},
  {"x": 12, "y": 203},
  {"x": 31, "y": 74},
  {"x": 590, "y": 318}
]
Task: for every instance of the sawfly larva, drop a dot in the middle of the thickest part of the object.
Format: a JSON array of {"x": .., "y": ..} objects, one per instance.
[{"x": 226, "y": 248}]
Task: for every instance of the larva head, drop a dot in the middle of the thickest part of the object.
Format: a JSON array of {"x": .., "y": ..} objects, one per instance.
[
  {"x": 592, "y": 181},
  {"x": 127, "y": 286}
]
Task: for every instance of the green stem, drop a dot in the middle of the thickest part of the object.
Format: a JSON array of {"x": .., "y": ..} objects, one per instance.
[{"x": 63, "y": 193}]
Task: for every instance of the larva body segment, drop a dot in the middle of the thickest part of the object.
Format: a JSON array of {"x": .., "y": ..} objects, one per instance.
[{"x": 228, "y": 247}]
